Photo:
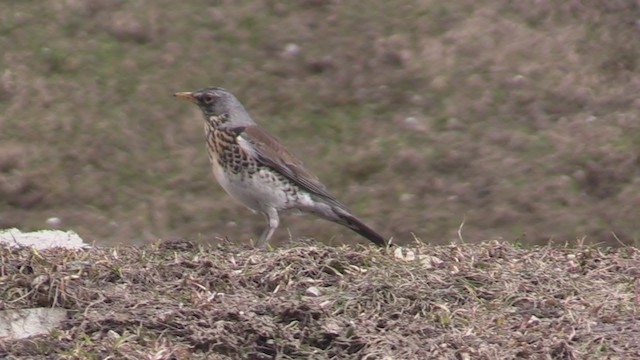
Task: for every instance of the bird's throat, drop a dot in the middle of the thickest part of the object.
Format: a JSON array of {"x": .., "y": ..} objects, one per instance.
[{"x": 215, "y": 121}]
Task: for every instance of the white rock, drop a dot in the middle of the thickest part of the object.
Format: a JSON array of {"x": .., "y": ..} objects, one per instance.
[
  {"x": 23, "y": 323},
  {"x": 43, "y": 239},
  {"x": 313, "y": 291},
  {"x": 54, "y": 221}
]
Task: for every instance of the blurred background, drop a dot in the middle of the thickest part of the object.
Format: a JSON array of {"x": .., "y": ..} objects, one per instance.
[{"x": 518, "y": 119}]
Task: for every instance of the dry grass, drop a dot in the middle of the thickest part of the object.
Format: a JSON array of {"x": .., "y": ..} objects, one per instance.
[
  {"x": 519, "y": 118},
  {"x": 180, "y": 300}
]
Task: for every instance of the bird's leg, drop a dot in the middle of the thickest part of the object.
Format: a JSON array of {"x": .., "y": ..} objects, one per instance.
[{"x": 272, "y": 224}]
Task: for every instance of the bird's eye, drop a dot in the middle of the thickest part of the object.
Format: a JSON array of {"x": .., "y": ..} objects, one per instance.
[{"x": 208, "y": 99}]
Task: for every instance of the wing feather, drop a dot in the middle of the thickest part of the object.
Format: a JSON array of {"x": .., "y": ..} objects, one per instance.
[{"x": 268, "y": 151}]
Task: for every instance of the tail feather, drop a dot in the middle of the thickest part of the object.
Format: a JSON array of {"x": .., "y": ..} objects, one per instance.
[{"x": 358, "y": 226}]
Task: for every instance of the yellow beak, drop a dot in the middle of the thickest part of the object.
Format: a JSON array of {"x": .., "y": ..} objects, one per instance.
[{"x": 187, "y": 96}]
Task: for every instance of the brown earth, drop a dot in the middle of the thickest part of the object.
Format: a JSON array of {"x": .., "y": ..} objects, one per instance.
[
  {"x": 518, "y": 119},
  {"x": 180, "y": 300}
]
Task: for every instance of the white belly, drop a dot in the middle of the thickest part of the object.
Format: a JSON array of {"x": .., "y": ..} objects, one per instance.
[{"x": 260, "y": 191}]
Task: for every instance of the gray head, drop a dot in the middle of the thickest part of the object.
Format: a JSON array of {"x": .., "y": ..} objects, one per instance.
[{"x": 218, "y": 105}]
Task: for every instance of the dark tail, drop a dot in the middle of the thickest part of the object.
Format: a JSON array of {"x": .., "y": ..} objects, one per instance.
[{"x": 353, "y": 223}]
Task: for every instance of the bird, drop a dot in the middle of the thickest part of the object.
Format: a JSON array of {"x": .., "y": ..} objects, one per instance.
[{"x": 254, "y": 168}]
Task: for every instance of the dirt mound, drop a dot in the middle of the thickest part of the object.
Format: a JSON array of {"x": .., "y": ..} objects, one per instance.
[{"x": 180, "y": 300}]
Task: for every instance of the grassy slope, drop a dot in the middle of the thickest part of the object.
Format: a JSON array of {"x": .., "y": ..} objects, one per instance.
[
  {"x": 518, "y": 118},
  {"x": 176, "y": 300}
]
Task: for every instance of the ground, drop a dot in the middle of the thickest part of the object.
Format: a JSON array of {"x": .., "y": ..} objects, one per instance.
[
  {"x": 518, "y": 119},
  {"x": 507, "y": 131},
  {"x": 180, "y": 300}
]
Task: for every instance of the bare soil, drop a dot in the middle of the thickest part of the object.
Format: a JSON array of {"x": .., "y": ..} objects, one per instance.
[{"x": 180, "y": 300}]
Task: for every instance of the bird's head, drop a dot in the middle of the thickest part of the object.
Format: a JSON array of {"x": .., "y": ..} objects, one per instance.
[{"x": 218, "y": 104}]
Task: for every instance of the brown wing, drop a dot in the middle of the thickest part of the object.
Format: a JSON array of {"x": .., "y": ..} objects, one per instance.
[{"x": 268, "y": 151}]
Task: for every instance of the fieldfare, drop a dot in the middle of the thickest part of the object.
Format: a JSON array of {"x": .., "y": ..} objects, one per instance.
[{"x": 259, "y": 172}]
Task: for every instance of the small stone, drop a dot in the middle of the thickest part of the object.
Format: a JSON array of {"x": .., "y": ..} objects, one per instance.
[
  {"x": 313, "y": 291},
  {"x": 54, "y": 221},
  {"x": 291, "y": 50},
  {"x": 518, "y": 80},
  {"x": 533, "y": 321}
]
